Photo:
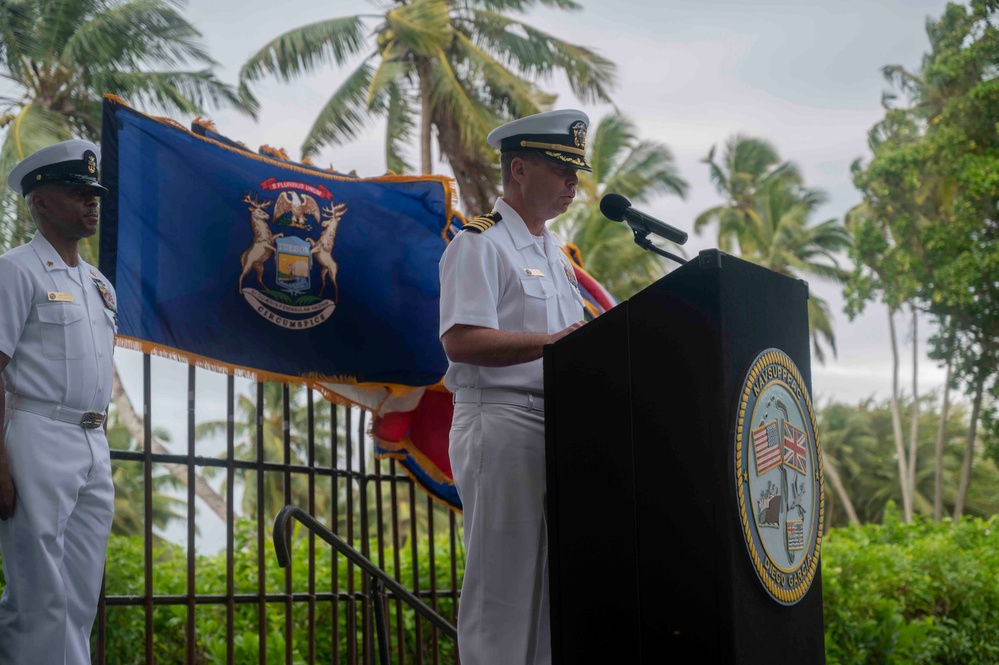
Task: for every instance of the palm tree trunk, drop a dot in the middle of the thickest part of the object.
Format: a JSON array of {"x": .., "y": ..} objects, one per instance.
[
  {"x": 914, "y": 424},
  {"x": 969, "y": 447},
  {"x": 896, "y": 423},
  {"x": 942, "y": 433},
  {"x": 426, "y": 123},
  {"x": 841, "y": 492},
  {"x": 474, "y": 172},
  {"x": 133, "y": 424}
]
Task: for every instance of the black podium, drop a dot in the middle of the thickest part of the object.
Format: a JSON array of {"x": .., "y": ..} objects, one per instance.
[{"x": 649, "y": 512}]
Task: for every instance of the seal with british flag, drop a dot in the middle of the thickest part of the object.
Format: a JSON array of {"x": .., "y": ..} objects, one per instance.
[{"x": 778, "y": 472}]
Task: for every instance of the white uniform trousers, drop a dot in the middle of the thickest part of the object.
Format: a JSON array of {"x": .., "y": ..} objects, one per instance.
[
  {"x": 55, "y": 544},
  {"x": 497, "y": 457}
]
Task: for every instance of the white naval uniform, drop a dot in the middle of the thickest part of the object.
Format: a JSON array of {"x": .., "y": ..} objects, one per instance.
[
  {"x": 502, "y": 279},
  {"x": 54, "y": 546}
]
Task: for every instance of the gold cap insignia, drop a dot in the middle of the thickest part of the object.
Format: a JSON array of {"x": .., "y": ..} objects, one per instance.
[{"x": 579, "y": 134}]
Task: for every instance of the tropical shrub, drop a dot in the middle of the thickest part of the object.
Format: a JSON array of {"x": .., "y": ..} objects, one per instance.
[{"x": 912, "y": 593}]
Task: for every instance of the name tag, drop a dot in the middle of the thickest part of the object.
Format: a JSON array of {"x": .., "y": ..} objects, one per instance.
[
  {"x": 59, "y": 296},
  {"x": 533, "y": 272}
]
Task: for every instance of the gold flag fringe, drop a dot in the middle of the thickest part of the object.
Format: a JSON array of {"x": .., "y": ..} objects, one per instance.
[{"x": 314, "y": 381}]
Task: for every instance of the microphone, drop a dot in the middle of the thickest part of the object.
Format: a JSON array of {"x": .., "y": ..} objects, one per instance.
[{"x": 617, "y": 208}]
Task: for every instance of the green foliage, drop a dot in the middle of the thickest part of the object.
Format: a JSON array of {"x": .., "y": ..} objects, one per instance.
[
  {"x": 62, "y": 57},
  {"x": 898, "y": 593},
  {"x": 129, "y": 481},
  {"x": 126, "y": 625},
  {"x": 927, "y": 231},
  {"x": 858, "y": 441}
]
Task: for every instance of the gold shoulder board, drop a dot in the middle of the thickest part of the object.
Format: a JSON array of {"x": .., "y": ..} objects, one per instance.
[{"x": 483, "y": 222}]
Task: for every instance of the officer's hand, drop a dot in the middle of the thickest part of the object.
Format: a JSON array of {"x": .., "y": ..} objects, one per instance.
[
  {"x": 8, "y": 493},
  {"x": 562, "y": 333}
]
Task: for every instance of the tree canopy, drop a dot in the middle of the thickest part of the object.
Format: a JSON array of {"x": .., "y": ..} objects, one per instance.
[
  {"x": 446, "y": 68},
  {"x": 927, "y": 231}
]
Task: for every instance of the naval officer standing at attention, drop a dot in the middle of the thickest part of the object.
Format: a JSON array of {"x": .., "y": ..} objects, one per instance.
[
  {"x": 58, "y": 319},
  {"x": 507, "y": 290}
]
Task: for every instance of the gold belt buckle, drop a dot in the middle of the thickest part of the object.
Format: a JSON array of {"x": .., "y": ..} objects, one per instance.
[{"x": 92, "y": 420}]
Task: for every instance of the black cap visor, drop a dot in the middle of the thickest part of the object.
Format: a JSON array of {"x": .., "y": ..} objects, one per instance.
[{"x": 33, "y": 180}]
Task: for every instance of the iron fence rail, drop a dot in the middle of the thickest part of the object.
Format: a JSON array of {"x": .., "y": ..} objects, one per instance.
[{"x": 355, "y": 478}]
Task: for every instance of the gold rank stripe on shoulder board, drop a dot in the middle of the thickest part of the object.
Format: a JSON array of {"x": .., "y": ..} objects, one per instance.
[
  {"x": 59, "y": 296},
  {"x": 483, "y": 222}
]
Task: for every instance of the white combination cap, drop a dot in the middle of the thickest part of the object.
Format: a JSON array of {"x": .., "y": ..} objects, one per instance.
[
  {"x": 558, "y": 136},
  {"x": 72, "y": 162}
]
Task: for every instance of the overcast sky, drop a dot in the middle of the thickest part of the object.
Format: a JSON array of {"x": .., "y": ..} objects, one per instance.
[{"x": 804, "y": 75}]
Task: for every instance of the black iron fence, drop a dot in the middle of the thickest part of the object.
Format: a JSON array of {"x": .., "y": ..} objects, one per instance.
[{"x": 282, "y": 445}]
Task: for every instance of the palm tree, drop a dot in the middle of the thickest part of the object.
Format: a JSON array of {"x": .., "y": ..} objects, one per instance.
[
  {"x": 768, "y": 216},
  {"x": 784, "y": 241},
  {"x": 748, "y": 165},
  {"x": 62, "y": 57},
  {"x": 450, "y": 68},
  {"x": 635, "y": 169},
  {"x": 129, "y": 492}
]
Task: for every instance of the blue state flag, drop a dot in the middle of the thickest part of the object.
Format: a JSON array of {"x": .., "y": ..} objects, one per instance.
[{"x": 274, "y": 269}]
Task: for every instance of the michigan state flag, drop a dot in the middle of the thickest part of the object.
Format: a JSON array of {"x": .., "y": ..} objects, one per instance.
[{"x": 278, "y": 270}]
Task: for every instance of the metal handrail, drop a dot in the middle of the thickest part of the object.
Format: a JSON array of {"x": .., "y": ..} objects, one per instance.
[{"x": 378, "y": 576}]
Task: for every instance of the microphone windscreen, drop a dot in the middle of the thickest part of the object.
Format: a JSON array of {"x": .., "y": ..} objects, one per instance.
[{"x": 612, "y": 206}]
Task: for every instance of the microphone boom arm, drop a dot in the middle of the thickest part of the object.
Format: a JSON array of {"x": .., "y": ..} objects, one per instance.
[{"x": 642, "y": 240}]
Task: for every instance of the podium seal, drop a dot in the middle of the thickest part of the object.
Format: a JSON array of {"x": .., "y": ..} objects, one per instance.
[{"x": 778, "y": 473}]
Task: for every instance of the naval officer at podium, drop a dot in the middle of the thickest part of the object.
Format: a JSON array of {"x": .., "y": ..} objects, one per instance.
[{"x": 507, "y": 290}]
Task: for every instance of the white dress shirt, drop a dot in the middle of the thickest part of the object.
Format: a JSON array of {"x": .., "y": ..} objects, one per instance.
[{"x": 502, "y": 279}]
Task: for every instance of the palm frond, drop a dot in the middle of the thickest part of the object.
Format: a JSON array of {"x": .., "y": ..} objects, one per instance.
[
  {"x": 820, "y": 326},
  {"x": 708, "y": 217},
  {"x": 455, "y": 100},
  {"x": 901, "y": 78},
  {"x": 537, "y": 54},
  {"x": 305, "y": 49},
  {"x": 32, "y": 129},
  {"x": 646, "y": 170},
  {"x": 16, "y": 226},
  {"x": 176, "y": 92},
  {"x": 751, "y": 156},
  {"x": 422, "y": 26},
  {"x": 399, "y": 130},
  {"x": 18, "y": 40},
  {"x": 610, "y": 137},
  {"x": 345, "y": 114},
  {"x": 521, "y": 6},
  {"x": 387, "y": 74},
  {"x": 590, "y": 75},
  {"x": 59, "y": 19},
  {"x": 511, "y": 93},
  {"x": 158, "y": 36}
]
